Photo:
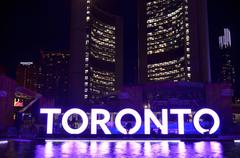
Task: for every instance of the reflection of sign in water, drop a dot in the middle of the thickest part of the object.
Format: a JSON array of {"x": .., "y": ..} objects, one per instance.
[{"x": 149, "y": 117}]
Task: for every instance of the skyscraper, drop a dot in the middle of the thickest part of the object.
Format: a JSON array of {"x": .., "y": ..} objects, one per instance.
[
  {"x": 27, "y": 75},
  {"x": 173, "y": 41},
  {"x": 53, "y": 76},
  {"x": 96, "y": 53},
  {"x": 227, "y": 73},
  {"x": 227, "y": 68}
]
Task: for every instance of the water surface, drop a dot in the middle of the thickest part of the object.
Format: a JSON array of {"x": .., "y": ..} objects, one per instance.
[{"x": 122, "y": 148}]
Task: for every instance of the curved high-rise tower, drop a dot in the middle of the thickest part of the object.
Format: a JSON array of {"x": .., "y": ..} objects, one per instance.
[
  {"x": 173, "y": 41},
  {"x": 96, "y": 53}
]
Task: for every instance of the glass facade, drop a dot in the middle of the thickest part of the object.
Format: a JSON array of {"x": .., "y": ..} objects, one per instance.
[
  {"x": 100, "y": 77},
  {"x": 53, "y": 76},
  {"x": 227, "y": 68},
  {"x": 167, "y": 40}
]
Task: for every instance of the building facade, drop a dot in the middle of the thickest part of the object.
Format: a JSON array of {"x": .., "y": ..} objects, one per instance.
[
  {"x": 227, "y": 68},
  {"x": 227, "y": 72},
  {"x": 173, "y": 41},
  {"x": 96, "y": 53},
  {"x": 27, "y": 75},
  {"x": 53, "y": 76}
]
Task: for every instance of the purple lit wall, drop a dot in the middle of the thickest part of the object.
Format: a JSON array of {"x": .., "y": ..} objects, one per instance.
[{"x": 7, "y": 86}]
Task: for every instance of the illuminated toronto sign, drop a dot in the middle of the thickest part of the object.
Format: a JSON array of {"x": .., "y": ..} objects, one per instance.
[{"x": 149, "y": 117}]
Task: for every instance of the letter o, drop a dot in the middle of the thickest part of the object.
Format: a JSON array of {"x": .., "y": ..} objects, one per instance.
[
  {"x": 210, "y": 112},
  {"x": 65, "y": 121},
  {"x": 135, "y": 114}
]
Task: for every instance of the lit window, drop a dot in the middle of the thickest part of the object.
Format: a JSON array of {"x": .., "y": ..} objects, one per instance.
[{"x": 87, "y": 18}]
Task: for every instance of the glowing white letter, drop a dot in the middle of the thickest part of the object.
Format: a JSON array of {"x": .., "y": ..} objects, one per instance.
[
  {"x": 84, "y": 121},
  {"x": 148, "y": 115},
  {"x": 50, "y": 113},
  {"x": 180, "y": 113},
  {"x": 135, "y": 115},
  {"x": 101, "y": 123},
  {"x": 210, "y": 112}
]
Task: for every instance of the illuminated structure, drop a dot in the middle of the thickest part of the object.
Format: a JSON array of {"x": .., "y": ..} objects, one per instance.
[
  {"x": 227, "y": 73},
  {"x": 27, "y": 75},
  {"x": 173, "y": 41},
  {"x": 96, "y": 49},
  {"x": 13, "y": 98},
  {"x": 148, "y": 117},
  {"x": 227, "y": 68},
  {"x": 53, "y": 76},
  {"x": 182, "y": 94}
]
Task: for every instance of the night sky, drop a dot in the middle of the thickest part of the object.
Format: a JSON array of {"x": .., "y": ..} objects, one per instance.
[{"x": 30, "y": 25}]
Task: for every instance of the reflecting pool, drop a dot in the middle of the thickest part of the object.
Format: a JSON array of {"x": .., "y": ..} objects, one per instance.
[{"x": 120, "y": 148}]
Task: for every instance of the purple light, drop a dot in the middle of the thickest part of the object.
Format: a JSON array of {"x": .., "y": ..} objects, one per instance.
[
  {"x": 49, "y": 149},
  {"x": 3, "y": 142},
  {"x": 128, "y": 148},
  {"x": 216, "y": 149}
]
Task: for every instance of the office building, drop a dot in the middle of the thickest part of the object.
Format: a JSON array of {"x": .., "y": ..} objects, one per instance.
[
  {"x": 27, "y": 75},
  {"x": 53, "y": 76},
  {"x": 227, "y": 72},
  {"x": 227, "y": 68},
  {"x": 96, "y": 53},
  {"x": 173, "y": 41}
]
